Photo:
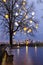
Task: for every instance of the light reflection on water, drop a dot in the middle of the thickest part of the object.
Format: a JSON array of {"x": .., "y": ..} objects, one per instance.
[
  {"x": 36, "y": 50},
  {"x": 27, "y": 56},
  {"x": 22, "y": 57},
  {"x": 26, "y": 50},
  {"x": 18, "y": 50}
]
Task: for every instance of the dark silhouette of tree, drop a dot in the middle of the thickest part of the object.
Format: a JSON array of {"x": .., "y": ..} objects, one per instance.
[{"x": 16, "y": 15}]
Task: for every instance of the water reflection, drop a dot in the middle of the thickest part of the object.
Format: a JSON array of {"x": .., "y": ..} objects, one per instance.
[
  {"x": 36, "y": 50},
  {"x": 18, "y": 50},
  {"x": 27, "y": 56},
  {"x": 26, "y": 50}
]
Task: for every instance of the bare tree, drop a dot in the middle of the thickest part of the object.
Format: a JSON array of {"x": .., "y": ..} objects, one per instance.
[{"x": 16, "y": 15}]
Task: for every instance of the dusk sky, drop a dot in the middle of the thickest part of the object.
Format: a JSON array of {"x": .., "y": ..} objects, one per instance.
[{"x": 39, "y": 33}]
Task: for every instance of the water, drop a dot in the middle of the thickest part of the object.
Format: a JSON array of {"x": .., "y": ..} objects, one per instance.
[
  {"x": 25, "y": 56},
  {"x": 28, "y": 56}
]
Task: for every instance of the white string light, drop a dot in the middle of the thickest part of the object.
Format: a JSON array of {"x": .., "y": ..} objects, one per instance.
[
  {"x": 33, "y": 13},
  {"x": 16, "y": 14},
  {"x": 16, "y": 23},
  {"x": 17, "y": 5}
]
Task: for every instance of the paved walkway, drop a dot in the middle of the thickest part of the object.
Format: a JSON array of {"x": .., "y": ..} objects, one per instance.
[
  {"x": 2, "y": 51},
  {"x": 6, "y": 60}
]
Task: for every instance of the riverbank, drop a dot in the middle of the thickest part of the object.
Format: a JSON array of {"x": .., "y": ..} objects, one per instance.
[{"x": 29, "y": 44}]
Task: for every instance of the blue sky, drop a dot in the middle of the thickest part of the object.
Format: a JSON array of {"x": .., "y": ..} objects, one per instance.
[{"x": 39, "y": 33}]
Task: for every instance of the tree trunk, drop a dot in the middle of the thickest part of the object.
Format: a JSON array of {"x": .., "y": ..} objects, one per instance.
[{"x": 11, "y": 40}]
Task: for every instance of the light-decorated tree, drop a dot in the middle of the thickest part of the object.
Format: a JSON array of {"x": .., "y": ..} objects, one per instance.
[{"x": 16, "y": 15}]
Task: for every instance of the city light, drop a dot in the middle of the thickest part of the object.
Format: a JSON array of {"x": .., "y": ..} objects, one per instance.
[
  {"x": 18, "y": 46},
  {"x": 26, "y": 42}
]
